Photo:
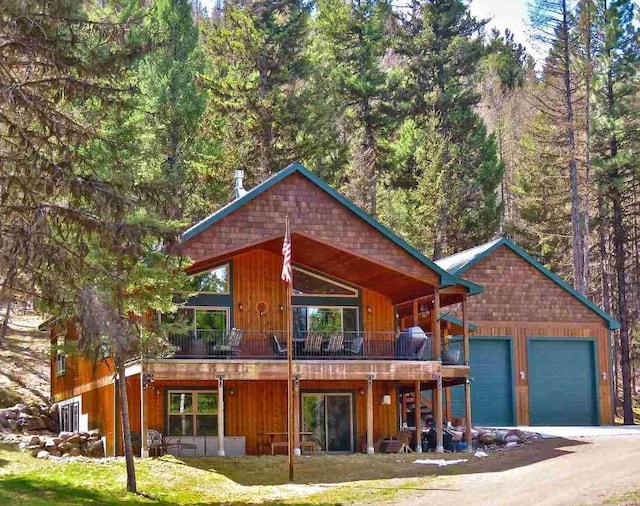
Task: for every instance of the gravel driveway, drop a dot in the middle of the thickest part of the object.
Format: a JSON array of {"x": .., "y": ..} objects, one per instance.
[{"x": 584, "y": 471}]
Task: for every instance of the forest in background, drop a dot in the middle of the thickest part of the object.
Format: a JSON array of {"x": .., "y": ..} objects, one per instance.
[{"x": 121, "y": 123}]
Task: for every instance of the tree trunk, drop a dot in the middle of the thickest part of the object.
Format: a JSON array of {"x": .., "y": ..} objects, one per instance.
[
  {"x": 619, "y": 242},
  {"x": 5, "y": 323},
  {"x": 126, "y": 427},
  {"x": 577, "y": 245}
]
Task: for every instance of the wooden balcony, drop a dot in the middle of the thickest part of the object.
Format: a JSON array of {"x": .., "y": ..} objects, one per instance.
[{"x": 263, "y": 355}]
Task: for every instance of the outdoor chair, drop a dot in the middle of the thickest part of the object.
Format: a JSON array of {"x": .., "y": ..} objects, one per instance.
[
  {"x": 232, "y": 345},
  {"x": 278, "y": 349},
  {"x": 158, "y": 445},
  {"x": 356, "y": 346},
  {"x": 312, "y": 344},
  {"x": 335, "y": 345}
]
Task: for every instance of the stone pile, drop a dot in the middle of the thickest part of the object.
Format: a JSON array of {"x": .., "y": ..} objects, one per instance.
[
  {"x": 66, "y": 444},
  {"x": 29, "y": 419},
  {"x": 494, "y": 438},
  {"x": 35, "y": 429}
]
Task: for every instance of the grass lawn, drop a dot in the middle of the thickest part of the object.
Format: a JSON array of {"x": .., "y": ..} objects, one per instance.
[
  {"x": 167, "y": 480},
  {"x": 628, "y": 499}
]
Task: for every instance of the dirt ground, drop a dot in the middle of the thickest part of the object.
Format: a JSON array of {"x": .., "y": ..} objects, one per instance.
[
  {"x": 565, "y": 472},
  {"x": 24, "y": 362}
]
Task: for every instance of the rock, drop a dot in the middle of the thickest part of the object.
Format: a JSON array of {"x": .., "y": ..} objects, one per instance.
[
  {"x": 29, "y": 422},
  {"x": 75, "y": 452},
  {"x": 75, "y": 439},
  {"x": 512, "y": 444},
  {"x": 512, "y": 438},
  {"x": 486, "y": 438},
  {"x": 501, "y": 435},
  {"x": 34, "y": 441},
  {"x": 50, "y": 424},
  {"x": 42, "y": 454},
  {"x": 95, "y": 449},
  {"x": 95, "y": 433},
  {"x": 34, "y": 450},
  {"x": 10, "y": 414},
  {"x": 65, "y": 434}
]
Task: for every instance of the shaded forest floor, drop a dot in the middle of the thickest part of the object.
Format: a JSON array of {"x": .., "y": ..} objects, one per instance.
[{"x": 24, "y": 362}]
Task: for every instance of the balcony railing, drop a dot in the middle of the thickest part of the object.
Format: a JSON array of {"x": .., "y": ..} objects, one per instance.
[{"x": 272, "y": 344}]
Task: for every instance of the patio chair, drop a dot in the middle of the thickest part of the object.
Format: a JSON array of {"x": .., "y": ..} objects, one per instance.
[
  {"x": 158, "y": 445},
  {"x": 278, "y": 349},
  {"x": 356, "y": 346},
  {"x": 312, "y": 344},
  {"x": 232, "y": 346},
  {"x": 335, "y": 344}
]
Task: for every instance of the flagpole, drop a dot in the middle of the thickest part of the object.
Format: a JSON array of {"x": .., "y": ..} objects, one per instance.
[{"x": 290, "y": 400}]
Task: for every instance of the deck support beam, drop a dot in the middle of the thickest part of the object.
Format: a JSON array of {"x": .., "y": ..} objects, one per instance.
[
  {"x": 221, "y": 415},
  {"x": 467, "y": 385},
  {"x": 437, "y": 402},
  {"x": 370, "y": 448},
  {"x": 144, "y": 450},
  {"x": 435, "y": 319},
  {"x": 296, "y": 415},
  {"x": 418, "y": 417}
]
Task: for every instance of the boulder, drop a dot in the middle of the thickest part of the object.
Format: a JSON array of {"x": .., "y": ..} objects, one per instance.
[
  {"x": 486, "y": 438},
  {"x": 76, "y": 439},
  {"x": 512, "y": 438},
  {"x": 501, "y": 435},
  {"x": 95, "y": 449},
  {"x": 33, "y": 441},
  {"x": 512, "y": 444},
  {"x": 42, "y": 454},
  {"x": 50, "y": 423},
  {"x": 65, "y": 434},
  {"x": 29, "y": 422}
]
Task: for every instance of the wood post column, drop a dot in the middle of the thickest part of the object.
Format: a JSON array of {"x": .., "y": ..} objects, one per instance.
[
  {"x": 437, "y": 344},
  {"x": 370, "y": 448},
  {"x": 418, "y": 417},
  {"x": 146, "y": 382},
  {"x": 467, "y": 385},
  {"x": 221, "y": 415},
  {"x": 437, "y": 402},
  {"x": 296, "y": 414}
]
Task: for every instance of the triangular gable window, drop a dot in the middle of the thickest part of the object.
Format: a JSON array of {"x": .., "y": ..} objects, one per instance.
[{"x": 308, "y": 283}]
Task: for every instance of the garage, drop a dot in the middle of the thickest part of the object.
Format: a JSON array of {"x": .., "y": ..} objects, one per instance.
[
  {"x": 491, "y": 370},
  {"x": 562, "y": 382}
]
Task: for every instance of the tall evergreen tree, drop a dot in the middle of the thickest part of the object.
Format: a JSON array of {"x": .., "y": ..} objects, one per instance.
[
  {"x": 441, "y": 49},
  {"x": 256, "y": 64},
  {"x": 616, "y": 151}
]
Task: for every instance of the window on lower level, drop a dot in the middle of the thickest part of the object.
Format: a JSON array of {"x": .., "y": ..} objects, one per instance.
[
  {"x": 193, "y": 413},
  {"x": 69, "y": 416}
]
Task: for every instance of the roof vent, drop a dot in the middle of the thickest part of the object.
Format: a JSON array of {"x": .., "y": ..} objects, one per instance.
[{"x": 239, "y": 177}]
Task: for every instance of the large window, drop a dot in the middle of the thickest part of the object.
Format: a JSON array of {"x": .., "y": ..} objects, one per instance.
[
  {"x": 215, "y": 280},
  {"x": 208, "y": 323},
  {"x": 193, "y": 413},
  {"x": 326, "y": 320},
  {"x": 309, "y": 283}
]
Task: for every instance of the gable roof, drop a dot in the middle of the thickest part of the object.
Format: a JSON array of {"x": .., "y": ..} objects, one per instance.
[
  {"x": 461, "y": 262},
  {"x": 446, "y": 278}
]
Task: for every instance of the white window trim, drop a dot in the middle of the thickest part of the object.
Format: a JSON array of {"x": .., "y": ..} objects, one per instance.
[
  {"x": 354, "y": 295},
  {"x": 83, "y": 419},
  {"x": 194, "y": 413}
]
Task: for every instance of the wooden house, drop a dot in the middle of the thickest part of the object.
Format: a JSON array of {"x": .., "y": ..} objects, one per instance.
[
  {"x": 359, "y": 291},
  {"x": 541, "y": 352}
]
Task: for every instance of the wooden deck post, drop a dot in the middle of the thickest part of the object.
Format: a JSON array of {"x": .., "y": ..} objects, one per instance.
[
  {"x": 370, "y": 448},
  {"x": 221, "y": 415},
  {"x": 467, "y": 385},
  {"x": 437, "y": 401},
  {"x": 437, "y": 345},
  {"x": 144, "y": 450},
  {"x": 418, "y": 417},
  {"x": 296, "y": 414},
  {"x": 415, "y": 312}
]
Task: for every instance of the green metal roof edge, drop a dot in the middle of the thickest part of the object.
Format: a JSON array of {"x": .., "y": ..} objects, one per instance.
[
  {"x": 613, "y": 323},
  {"x": 457, "y": 321},
  {"x": 446, "y": 278}
]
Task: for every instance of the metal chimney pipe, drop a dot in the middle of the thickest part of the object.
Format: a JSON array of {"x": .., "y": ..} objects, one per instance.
[{"x": 239, "y": 188}]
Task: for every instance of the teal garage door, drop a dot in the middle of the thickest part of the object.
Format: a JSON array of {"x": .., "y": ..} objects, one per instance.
[
  {"x": 562, "y": 382},
  {"x": 492, "y": 398}
]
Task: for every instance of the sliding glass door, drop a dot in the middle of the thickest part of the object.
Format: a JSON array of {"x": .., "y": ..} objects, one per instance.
[{"x": 328, "y": 417}]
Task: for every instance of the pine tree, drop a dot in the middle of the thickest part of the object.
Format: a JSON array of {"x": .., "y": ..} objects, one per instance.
[
  {"x": 441, "y": 50},
  {"x": 255, "y": 67},
  {"x": 616, "y": 151}
]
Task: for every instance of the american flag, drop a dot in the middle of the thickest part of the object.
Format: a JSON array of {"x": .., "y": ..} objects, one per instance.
[{"x": 286, "y": 256}]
